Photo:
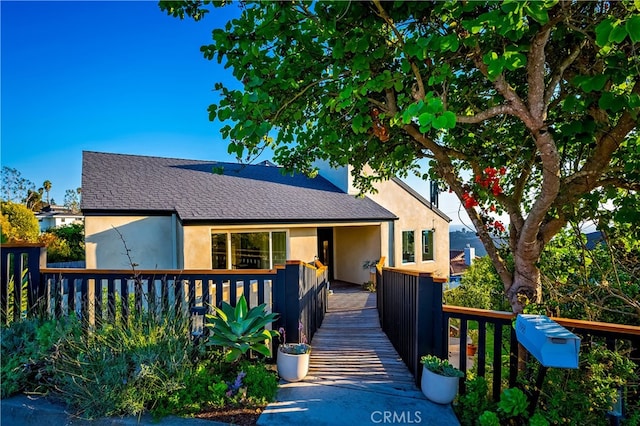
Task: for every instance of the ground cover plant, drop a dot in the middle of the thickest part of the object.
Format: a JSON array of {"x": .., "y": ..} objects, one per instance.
[
  {"x": 567, "y": 396},
  {"x": 149, "y": 364}
]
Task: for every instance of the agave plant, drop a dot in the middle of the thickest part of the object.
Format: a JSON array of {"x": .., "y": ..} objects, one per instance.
[{"x": 240, "y": 329}]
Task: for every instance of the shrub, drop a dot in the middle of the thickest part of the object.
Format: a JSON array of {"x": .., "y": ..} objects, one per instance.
[
  {"x": 123, "y": 369},
  {"x": 23, "y": 224},
  {"x": 26, "y": 348},
  {"x": 261, "y": 383}
]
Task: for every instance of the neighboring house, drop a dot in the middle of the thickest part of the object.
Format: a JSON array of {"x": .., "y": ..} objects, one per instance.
[
  {"x": 188, "y": 214},
  {"x": 54, "y": 216},
  {"x": 460, "y": 262}
]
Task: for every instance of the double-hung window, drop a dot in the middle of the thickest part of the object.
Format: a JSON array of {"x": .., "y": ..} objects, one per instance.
[
  {"x": 408, "y": 247},
  {"x": 427, "y": 245}
]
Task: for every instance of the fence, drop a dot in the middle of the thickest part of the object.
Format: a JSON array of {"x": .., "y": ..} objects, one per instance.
[
  {"x": 410, "y": 310},
  {"x": 413, "y": 317},
  {"x": 296, "y": 291}
]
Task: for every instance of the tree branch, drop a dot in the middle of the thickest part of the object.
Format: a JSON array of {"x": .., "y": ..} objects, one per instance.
[
  {"x": 535, "y": 74},
  {"x": 484, "y": 115},
  {"x": 293, "y": 99},
  {"x": 557, "y": 76}
]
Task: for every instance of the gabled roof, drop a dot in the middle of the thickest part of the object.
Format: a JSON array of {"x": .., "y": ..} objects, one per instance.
[{"x": 197, "y": 191}]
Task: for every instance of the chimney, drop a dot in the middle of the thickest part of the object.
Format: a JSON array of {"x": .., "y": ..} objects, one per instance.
[{"x": 469, "y": 254}]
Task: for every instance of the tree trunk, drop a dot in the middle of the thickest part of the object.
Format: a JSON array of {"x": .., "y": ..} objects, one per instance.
[{"x": 527, "y": 284}]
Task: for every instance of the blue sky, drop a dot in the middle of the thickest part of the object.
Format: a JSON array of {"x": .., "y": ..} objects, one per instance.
[{"x": 114, "y": 76}]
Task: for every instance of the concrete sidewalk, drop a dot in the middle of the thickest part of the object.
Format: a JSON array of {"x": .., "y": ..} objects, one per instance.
[
  {"x": 312, "y": 402},
  {"x": 24, "y": 410}
]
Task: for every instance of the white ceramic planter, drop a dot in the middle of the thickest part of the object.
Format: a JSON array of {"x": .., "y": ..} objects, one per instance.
[
  {"x": 437, "y": 388},
  {"x": 292, "y": 367}
]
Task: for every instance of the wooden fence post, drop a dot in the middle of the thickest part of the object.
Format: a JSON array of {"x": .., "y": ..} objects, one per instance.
[
  {"x": 293, "y": 282},
  {"x": 429, "y": 330}
]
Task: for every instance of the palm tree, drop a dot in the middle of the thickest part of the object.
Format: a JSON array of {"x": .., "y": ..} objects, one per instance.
[{"x": 47, "y": 187}]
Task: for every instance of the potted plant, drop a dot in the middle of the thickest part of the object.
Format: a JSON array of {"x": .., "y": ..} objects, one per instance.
[
  {"x": 440, "y": 379},
  {"x": 293, "y": 358},
  {"x": 472, "y": 342}
]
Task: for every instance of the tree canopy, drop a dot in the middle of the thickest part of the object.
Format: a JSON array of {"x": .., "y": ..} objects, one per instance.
[
  {"x": 528, "y": 108},
  {"x": 18, "y": 223}
]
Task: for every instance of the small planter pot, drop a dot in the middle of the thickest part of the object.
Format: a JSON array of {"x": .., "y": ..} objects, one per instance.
[
  {"x": 293, "y": 367},
  {"x": 471, "y": 349},
  {"x": 437, "y": 388}
]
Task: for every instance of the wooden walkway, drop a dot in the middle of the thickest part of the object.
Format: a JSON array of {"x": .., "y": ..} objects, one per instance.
[
  {"x": 350, "y": 349},
  {"x": 355, "y": 377}
]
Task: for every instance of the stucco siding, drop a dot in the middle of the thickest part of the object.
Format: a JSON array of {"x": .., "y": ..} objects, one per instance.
[
  {"x": 414, "y": 215},
  {"x": 303, "y": 244},
  {"x": 147, "y": 238},
  {"x": 354, "y": 246},
  {"x": 197, "y": 246}
]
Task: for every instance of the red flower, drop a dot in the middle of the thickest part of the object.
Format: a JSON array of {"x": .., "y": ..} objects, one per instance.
[
  {"x": 499, "y": 226},
  {"x": 503, "y": 170}
]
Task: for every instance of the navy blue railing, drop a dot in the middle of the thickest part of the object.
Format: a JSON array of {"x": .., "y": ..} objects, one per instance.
[{"x": 296, "y": 291}]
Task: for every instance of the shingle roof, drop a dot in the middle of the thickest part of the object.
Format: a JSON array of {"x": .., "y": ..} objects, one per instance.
[{"x": 121, "y": 183}]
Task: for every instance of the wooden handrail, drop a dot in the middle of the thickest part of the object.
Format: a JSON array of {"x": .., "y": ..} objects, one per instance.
[
  {"x": 158, "y": 272},
  {"x": 478, "y": 312},
  {"x": 566, "y": 322},
  {"x": 599, "y": 326}
]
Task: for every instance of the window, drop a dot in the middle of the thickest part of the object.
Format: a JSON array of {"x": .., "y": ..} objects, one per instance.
[
  {"x": 408, "y": 247},
  {"x": 427, "y": 245},
  {"x": 248, "y": 250}
]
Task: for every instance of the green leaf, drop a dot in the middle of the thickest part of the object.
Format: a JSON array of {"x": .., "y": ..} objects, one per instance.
[
  {"x": 434, "y": 105},
  {"x": 356, "y": 124},
  {"x": 633, "y": 28},
  {"x": 425, "y": 118},
  {"x": 618, "y": 34},
  {"x": 602, "y": 32},
  {"x": 450, "y": 43},
  {"x": 590, "y": 83},
  {"x": 514, "y": 60},
  {"x": 611, "y": 102},
  {"x": 537, "y": 11},
  {"x": 241, "y": 307}
]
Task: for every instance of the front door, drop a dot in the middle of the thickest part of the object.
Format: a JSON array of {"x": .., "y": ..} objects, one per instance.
[{"x": 325, "y": 249}]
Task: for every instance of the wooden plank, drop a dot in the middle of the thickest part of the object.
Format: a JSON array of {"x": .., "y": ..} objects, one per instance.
[{"x": 350, "y": 349}]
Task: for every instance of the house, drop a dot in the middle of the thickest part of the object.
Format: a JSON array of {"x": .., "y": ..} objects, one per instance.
[
  {"x": 168, "y": 213},
  {"x": 54, "y": 216},
  {"x": 460, "y": 262}
]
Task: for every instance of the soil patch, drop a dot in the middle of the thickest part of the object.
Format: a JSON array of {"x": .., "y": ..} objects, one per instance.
[{"x": 234, "y": 415}]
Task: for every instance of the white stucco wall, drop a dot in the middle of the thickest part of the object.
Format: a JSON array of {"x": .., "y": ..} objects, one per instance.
[{"x": 147, "y": 238}]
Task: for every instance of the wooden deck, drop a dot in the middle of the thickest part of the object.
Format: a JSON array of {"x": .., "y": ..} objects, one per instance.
[{"x": 351, "y": 350}]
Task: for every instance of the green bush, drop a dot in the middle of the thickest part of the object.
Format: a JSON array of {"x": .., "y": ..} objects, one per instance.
[
  {"x": 584, "y": 396},
  {"x": 20, "y": 224},
  {"x": 26, "y": 348},
  {"x": 120, "y": 370},
  {"x": 261, "y": 383},
  {"x": 147, "y": 364}
]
